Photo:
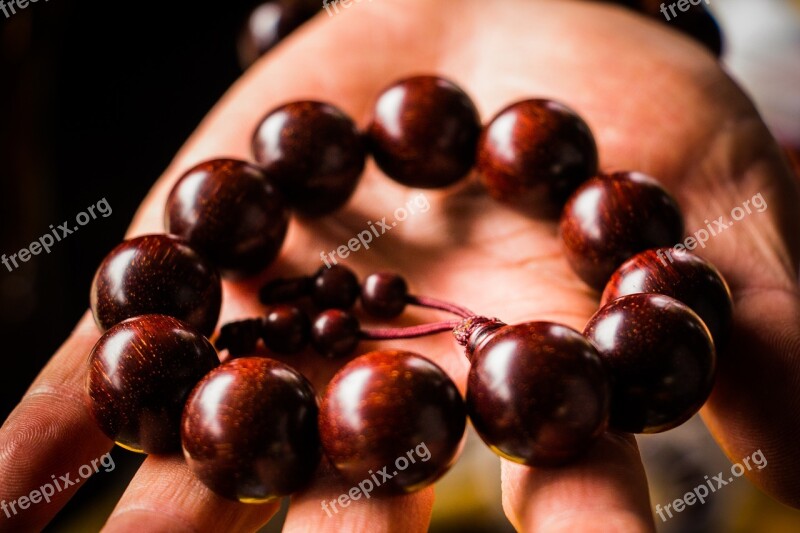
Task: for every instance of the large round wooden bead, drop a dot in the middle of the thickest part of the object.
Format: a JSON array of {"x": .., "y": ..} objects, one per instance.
[
  {"x": 394, "y": 414},
  {"x": 683, "y": 276},
  {"x": 313, "y": 152},
  {"x": 230, "y": 212},
  {"x": 423, "y": 132},
  {"x": 250, "y": 430},
  {"x": 661, "y": 359},
  {"x": 537, "y": 393},
  {"x": 610, "y": 218},
  {"x": 535, "y": 153},
  {"x": 156, "y": 274},
  {"x": 140, "y": 374}
]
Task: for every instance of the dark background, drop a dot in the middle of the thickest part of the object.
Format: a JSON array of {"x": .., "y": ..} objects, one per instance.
[{"x": 95, "y": 99}]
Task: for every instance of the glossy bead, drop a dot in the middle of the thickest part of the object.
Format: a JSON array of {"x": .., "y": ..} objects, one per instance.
[
  {"x": 423, "y": 132},
  {"x": 313, "y": 152},
  {"x": 286, "y": 329},
  {"x": 270, "y": 23},
  {"x": 537, "y": 393},
  {"x": 156, "y": 274},
  {"x": 660, "y": 357},
  {"x": 535, "y": 153},
  {"x": 384, "y": 295},
  {"x": 610, "y": 218},
  {"x": 230, "y": 212},
  {"x": 250, "y": 430},
  {"x": 335, "y": 288},
  {"x": 240, "y": 337},
  {"x": 140, "y": 374},
  {"x": 683, "y": 276},
  {"x": 335, "y": 333},
  {"x": 395, "y": 414}
]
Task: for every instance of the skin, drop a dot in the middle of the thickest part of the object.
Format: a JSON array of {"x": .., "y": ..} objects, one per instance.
[{"x": 668, "y": 110}]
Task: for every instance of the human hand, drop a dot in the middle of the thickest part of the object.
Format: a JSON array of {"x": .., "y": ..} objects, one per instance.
[{"x": 656, "y": 102}]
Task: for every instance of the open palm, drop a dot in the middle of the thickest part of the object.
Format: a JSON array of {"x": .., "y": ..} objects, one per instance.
[{"x": 657, "y": 103}]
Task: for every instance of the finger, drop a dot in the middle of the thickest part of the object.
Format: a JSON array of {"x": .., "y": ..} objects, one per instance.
[
  {"x": 166, "y": 496},
  {"x": 48, "y": 435},
  {"x": 331, "y": 504},
  {"x": 754, "y": 405},
  {"x": 604, "y": 491}
]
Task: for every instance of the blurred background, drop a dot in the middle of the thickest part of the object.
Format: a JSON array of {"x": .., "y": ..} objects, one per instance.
[{"x": 96, "y": 98}]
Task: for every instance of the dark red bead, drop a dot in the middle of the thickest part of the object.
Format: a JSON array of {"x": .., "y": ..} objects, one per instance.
[
  {"x": 683, "y": 276},
  {"x": 156, "y": 274},
  {"x": 423, "y": 132},
  {"x": 611, "y": 218},
  {"x": 250, "y": 430},
  {"x": 240, "y": 337},
  {"x": 384, "y": 295},
  {"x": 270, "y": 23},
  {"x": 335, "y": 288},
  {"x": 660, "y": 357},
  {"x": 313, "y": 152},
  {"x": 537, "y": 393},
  {"x": 286, "y": 329},
  {"x": 535, "y": 153},
  {"x": 140, "y": 374},
  {"x": 393, "y": 412},
  {"x": 230, "y": 212},
  {"x": 335, "y": 333}
]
